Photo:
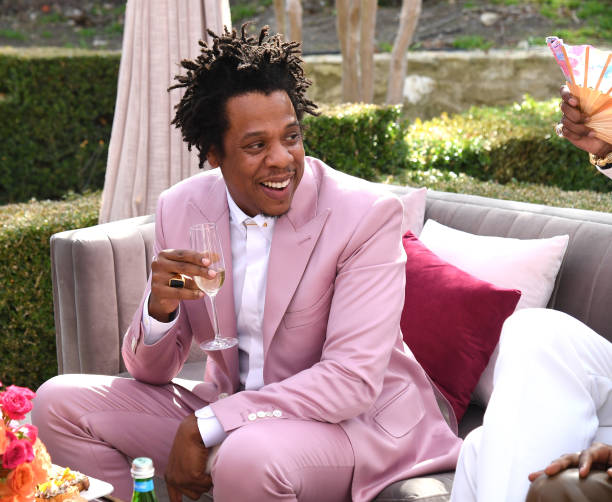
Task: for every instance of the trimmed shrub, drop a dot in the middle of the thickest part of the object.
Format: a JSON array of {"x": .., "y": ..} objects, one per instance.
[
  {"x": 512, "y": 143},
  {"x": 27, "y": 338},
  {"x": 57, "y": 111},
  {"x": 359, "y": 139}
]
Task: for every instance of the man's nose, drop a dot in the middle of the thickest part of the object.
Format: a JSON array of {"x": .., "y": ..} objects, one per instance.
[{"x": 278, "y": 156}]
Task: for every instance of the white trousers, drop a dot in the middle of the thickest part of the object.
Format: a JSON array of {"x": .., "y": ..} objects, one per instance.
[{"x": 552, "y": 395}]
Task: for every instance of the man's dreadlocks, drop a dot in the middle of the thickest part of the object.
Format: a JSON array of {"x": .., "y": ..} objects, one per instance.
[{"x": 235, "y": 65}]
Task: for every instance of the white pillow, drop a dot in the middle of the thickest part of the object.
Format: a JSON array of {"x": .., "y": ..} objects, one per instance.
[
  {"x": 414, "y": 210},
  {"x": 529, "y": 265}
]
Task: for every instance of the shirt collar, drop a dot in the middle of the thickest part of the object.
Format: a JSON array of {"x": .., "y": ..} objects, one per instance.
[{"x": 238, "y": 218}]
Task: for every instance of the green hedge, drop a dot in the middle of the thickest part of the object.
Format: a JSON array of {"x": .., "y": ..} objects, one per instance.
[
  {"x": 512, "y": 143},
  {"x": 363, "y": 140},
  {"x": 27, "y": 337},
  {"x": 57, "y": 109}
]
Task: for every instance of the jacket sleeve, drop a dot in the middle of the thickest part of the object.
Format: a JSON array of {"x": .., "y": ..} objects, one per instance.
[
  {"x": 362, "y": 331},
  {"x": 158, "y": 363}
]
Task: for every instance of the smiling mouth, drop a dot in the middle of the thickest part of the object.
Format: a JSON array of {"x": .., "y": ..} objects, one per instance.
[{"x": 276, "y": 185}]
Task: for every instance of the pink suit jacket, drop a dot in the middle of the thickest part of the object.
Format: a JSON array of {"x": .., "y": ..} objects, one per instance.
[{"x": 333, "y": 349}]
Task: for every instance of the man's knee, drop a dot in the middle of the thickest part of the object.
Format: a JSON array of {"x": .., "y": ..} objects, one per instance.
[
  {"x": 537, "y": 333},
  {"x": 256, "y": 455},
  {"x": 49, "y": 396},
  {"x": 568, "y": 487}
]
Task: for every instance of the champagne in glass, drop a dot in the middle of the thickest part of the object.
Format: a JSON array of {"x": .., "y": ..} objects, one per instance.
[
  {"x": 210, "y": 286},
  {"x": 204, "y": 239}
]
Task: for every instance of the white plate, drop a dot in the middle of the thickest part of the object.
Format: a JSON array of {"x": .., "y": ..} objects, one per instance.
[{"x": 97, "y": 488}]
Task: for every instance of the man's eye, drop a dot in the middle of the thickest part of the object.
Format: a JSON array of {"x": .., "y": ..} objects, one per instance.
[{"x": 255, "y": 146}]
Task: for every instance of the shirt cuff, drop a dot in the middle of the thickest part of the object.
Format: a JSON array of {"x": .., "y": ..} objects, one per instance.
[
  {"x": 211, "y": 430},
  {"x": 153, "y": 329}
]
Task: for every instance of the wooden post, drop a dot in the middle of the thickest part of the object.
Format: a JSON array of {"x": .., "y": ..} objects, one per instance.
[
  {"x": 366, "y": 49},
  {"x": 409, "y": 16},
  {"x": 294, "y": 9},
  {"x": 279, "y": 14}
]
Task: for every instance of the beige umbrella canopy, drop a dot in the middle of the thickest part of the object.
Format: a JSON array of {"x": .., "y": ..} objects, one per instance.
[{"x": 146, "y": 154}]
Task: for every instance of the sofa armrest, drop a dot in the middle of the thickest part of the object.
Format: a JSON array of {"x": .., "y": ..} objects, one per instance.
[{"x": 99, "y": 274}]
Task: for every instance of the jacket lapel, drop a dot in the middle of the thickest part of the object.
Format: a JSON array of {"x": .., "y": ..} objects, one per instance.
[{"x": 295, "y": 236}]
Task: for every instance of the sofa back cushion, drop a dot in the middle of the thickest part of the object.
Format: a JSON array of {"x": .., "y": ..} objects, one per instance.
[
  {"x": 584, "y": 282},
  {"x": 451, "y": 321}
]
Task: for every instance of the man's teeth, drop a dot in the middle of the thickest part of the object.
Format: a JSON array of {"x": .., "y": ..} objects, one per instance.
[{"x": 277, "y": 184}]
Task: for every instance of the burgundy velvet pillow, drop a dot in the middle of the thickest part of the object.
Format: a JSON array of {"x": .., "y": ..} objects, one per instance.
[{"x": 451, "y": 321}]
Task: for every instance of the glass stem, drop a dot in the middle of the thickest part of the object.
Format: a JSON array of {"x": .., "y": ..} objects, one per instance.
[{"x": 214, "y": 313}]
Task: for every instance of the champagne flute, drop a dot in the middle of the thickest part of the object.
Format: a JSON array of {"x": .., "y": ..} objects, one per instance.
[{"x": 204, "y": 239}]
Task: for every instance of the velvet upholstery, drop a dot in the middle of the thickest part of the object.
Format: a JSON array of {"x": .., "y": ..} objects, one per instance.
[{"x": 99, "y": 274}]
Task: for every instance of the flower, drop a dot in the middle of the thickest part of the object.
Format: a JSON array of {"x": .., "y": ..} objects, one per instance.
[
  {"x": 24, "y": 461},
  {"x": 16, "y": 402},
  {"x": 21, "y": 480},
  {"x": 41, "y": 465},
  {"x": 29, "y": 432},
  {"x": 17, "y": 452},
  {"x": 4, "y": 439}
]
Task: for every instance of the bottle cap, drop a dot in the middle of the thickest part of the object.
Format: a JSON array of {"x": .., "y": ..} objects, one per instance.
[{"x": 142, "y": 468}]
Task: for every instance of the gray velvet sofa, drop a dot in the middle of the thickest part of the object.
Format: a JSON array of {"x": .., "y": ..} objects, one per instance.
[{"x": 99, "y": 274}]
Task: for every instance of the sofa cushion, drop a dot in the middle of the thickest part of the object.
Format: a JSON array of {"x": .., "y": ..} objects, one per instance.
[
  {"x": 414, "y": 202},
  {"x": 529, "y": 265},
  {"x": 451, "y": 321},
  {"x": 432, "y": 488}
]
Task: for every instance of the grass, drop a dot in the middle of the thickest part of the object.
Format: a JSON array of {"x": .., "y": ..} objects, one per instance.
[
  {"x": 52, "y": 18},
  {"x": 385, "y": 47},
  {"x": 596, "y": 14},
  {"x": 115, "y": 28},
  {"x": 468, "y": 42},
  {"x": 12, "y": 34},
  {"x": 87, "y": 32},
  {"x": 242, "y": 10}
]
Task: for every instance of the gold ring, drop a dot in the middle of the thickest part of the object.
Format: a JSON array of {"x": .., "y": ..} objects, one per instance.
[
  {"x": 559, "y": 129},
  {"x": 177, "y": 281}
]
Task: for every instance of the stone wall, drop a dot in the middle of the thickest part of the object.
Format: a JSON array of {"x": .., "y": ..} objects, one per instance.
[{"x": 449, "y": 81}]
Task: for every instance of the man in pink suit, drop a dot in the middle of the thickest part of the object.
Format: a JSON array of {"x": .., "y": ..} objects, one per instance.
[{"x": 319, "y": 401}]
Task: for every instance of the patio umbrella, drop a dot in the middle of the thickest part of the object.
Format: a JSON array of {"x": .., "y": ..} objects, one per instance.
[{"x": 146, "y": 154}]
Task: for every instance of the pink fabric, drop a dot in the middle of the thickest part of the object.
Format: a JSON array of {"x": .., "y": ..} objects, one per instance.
[
  {"x": 96, "y": 424},
  {"x": 414, "y": 203},
  {"x": 451, "y": 321},
  {"x": 97, "y": 421},
  {"x": 332, "y": 346},
  {"x": 286, "y": 460}
]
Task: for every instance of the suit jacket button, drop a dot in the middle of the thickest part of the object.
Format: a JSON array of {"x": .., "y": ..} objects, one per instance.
[
  {"x": 277, "y": 413},
  {"x": 261, "y": 414},
  {"x": 252, "y": 417}
]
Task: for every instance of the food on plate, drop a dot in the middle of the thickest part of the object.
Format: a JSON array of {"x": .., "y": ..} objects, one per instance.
[{"x": 63, "y": 485}]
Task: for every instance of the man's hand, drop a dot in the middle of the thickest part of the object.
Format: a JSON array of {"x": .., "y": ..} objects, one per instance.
[
  {"x": 186, "y": 471},
  {"x": 575, "y": 130},
  {"x": 597, "y": 455},
  {"x": 171, "y": 262}
]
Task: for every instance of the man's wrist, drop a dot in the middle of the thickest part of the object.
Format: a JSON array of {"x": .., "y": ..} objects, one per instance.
[{"x": 160, "y": 315}]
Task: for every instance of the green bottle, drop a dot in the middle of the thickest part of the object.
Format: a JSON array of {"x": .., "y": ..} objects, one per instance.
[{"x": 142, "y": 472}]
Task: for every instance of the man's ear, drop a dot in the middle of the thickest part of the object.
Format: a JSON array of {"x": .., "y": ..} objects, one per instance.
[{"x": 213, "y": 157}]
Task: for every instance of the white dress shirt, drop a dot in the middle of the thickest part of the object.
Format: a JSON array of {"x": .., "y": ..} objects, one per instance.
[{"x": 250, "y": 242}]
